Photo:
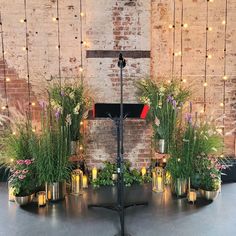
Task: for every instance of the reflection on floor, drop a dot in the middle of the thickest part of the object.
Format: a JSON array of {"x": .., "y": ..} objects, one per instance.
[{"x": 165, "y": 215}]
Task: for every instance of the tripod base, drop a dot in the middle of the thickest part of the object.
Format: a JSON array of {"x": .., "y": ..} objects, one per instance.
[{"x": 115, "y": 207}]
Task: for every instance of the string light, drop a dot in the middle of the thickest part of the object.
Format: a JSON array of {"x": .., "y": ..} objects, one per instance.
[
  {"x": 173, "y": 44},
  {"x": 82, "y": 42},
  {"x": 221, "y": 104},
  {"x": 205, "y": 84},
  {"x": 33, "y": 104},
  {"x": 58, "y": 45},
  {"x": 223, "y": 22},
  {"x": 8, "y": 79},
  {"x": 6, "y": 107},
  {"x": 185, "y": 25},
  {"x": 13, "y": 133},
  {"x": 81, "y": 14},
  {"x": 225, "y": 77},
  {"x": 181, "y": 41},
  {"x": 81, "y": 122}
]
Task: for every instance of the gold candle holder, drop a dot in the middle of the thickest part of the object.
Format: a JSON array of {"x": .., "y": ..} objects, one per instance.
[
  {"x": 76, "y": 181},
  {"x": 11, "y": 196},
  {"x": 42, "y": 200},
  {"x": 158, "y": 179}
]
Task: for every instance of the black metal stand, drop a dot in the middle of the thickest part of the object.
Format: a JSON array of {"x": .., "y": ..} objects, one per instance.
[{"x": 120, "y": 206}]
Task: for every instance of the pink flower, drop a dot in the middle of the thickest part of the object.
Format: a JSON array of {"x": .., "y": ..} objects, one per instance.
[
  {"x": 28, "y": 162},
  {"x": 213, "y": 175},
  {"x": 21, "y": 177},
  {"x": 25, "y": 171},
  {"x": 17, "y": 172},
  {"x": 20, "y": 162}
]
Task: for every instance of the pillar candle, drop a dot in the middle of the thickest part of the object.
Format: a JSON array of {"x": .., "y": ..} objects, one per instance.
[
  {"x": 85, "y": 181},
  {"x": 94, "y": 173},
  {"x": 41, "y": 199},
  {"x": 143, "y": 171}
]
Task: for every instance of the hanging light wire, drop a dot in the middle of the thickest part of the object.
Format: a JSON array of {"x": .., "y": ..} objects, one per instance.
[
  {"x": 4, "y": 69},
  {"x": 225, "y": 61},
  {"x": 59, "y": 44},
  {"x": 173, "y": 43},
  {"x": 27, "y": 59},
  {"x": 181, "y": 41},
  {"x": 82, "y": 43},
  {"x": 206, "y": 55}
]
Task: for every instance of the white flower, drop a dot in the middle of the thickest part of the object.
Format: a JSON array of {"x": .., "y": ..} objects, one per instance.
[
  {"x": 157, "y": 121},
  {"x": 76, "y": 109},
  {"x": 72, "y": 95},
  {"x": 162, "y": 89},
  {"x": 68, "y": 119}
]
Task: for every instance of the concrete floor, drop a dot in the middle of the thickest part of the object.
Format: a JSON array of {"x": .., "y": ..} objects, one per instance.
[{"x": 165, "y": 215}]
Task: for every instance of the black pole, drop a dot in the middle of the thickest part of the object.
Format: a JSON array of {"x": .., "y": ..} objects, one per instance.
[{"x": 121, "y": 64}]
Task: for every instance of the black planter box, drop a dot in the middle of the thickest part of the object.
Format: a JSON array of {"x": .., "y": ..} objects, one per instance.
[{"x": 229, "y": 175}]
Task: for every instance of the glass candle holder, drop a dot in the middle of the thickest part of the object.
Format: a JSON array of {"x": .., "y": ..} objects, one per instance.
[
  {"x": 158, "y": 179},
  {"x": 76, "y": 181},
  {"x": 11, "y": 196},
  {"x": 85, "y": 181},
  {"x": 94, "y": 173},
  {"x": 42, "y": 200}
]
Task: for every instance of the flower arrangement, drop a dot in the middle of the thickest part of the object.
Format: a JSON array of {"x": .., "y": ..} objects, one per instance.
[
  {"x": 22, "y": 178},
  {"x": 165, "y": 101},
  {"x": 70, "y": 104}
]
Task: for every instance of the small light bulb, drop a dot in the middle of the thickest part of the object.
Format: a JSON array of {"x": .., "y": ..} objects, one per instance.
[
  {"x": 82, "y": 14},
  {"x": 170, "y": 26},
  {"x": 80, "y": 147},
  {"x": 12, "y": 159},
  {"x": 209, "y": 56},
  {"x": 168, "y": 81},
  {"x": 8, "y": 79},
  {"x": 14, "y": 133},
  {"x": 211, "y": 0},
  {"x": 223, "y": 22},
  {"x": 202, "y": 111},
  {"x": 4, "y": 107},
  {"x": 33, "y": 130},
  {"x": 180, "y": 53},
  {"x": 81, "y": 122},
  {"x": 176, "y": 54},
  {"x": 221, "y": 104},
  {"x": 21, "y": 20},
  {"x": 225, "y": 77},
  {"x": 23, "y": 48},
  {"x": 184, "y": 80},
  {"x": 210, "y": 28},
  {"x": 81, "y": 69},
  {"x": 205, "y": 84},
  {"x": 33, "y": 104},
  {"x": 185, "y": 25},
  {"x": 178, "y": 159},
  {"x": 222, "y": 155},
  {"x": 54, "y": 19}
]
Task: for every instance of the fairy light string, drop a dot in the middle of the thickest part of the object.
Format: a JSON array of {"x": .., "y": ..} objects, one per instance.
[
  {"x": 82, "y": 42},
  {"x": 206, "y": 56},
  {"x": 173, "y": 26},
  {"x": 225, "y": 23},
  {"x": 181, "y": 41},
  {"x": 58, "y": 43},
  {"x": 26, "y": 49},
  {"x": 6, "y": 107}
]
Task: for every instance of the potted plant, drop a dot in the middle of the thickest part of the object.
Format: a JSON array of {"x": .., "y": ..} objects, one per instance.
[
  {"x": 209, "y": 169},
  {"x": 51, "y": 152},
  {"x": 165, "y": 101},
  {"x": 71, "y": 103},
  {"x": 23, "y": 181}
]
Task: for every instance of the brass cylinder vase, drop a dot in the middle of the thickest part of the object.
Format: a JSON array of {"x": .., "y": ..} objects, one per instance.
[
  {"x": 24, "y": 200},
  {"x": 180, "y": 187},
  {"x": 209, "y": 195},
  {"x": 56, "y": 191}
]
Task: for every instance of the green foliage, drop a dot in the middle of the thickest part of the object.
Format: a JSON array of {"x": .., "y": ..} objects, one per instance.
[
  {"x": 71, "y": 103},
  {"x": 51, "y": 151},
  {"x": 165, "y": 101},
  {"x": 23, "y": 179},
  {"x": 130, "y": 176}
]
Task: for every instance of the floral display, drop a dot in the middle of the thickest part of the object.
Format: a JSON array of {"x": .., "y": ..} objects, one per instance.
[
  {"x": 22, "y": 177},
  {"x": 70, "y": 105}
]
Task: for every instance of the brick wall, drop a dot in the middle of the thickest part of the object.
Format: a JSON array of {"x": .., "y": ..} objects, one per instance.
[
  {"x": 194, "y": 54},
  {"x": 109, "y": 26}
]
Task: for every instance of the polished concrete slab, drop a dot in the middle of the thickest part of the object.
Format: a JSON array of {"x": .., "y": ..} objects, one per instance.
[{"x": 165, "y": 215}]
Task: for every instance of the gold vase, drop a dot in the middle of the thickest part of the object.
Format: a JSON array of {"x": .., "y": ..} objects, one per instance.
[
  {"x": 179, "y": 187},
  {"x": 209, "y": 195}
]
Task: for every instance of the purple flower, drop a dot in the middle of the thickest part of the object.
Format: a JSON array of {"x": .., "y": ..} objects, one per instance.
[
  {"x": 62, "y": 93},
  {"x": 190, "y": 107},
  {"x": 57, "y": 114},
  {"x": 188, "y": 118},
  {"x": 170, "y": 98},
  {"x": 174, "y": 103},
  {"x": 43, "y": 104}
]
